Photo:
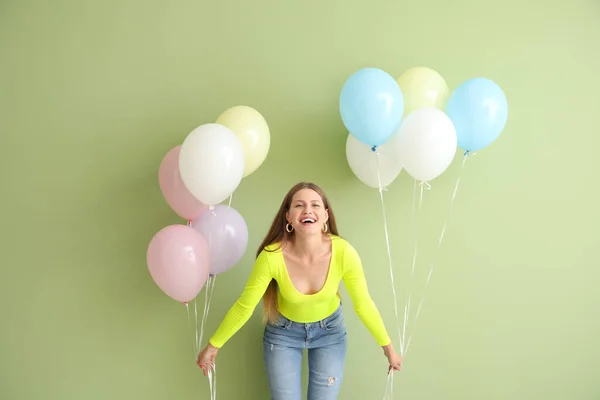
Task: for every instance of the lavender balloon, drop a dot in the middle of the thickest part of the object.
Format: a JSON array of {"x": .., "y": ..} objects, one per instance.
[{"x": 226, "y": 233}]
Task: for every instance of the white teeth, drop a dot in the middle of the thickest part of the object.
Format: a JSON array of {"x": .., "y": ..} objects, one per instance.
[{"x": 308, "y": 220}]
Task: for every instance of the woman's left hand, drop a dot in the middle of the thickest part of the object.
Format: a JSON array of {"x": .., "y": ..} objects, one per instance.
[{"x": 394, "y": 358}]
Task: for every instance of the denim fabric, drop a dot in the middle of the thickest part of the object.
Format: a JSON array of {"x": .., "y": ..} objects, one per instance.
[{"x": 326, "y": 343}]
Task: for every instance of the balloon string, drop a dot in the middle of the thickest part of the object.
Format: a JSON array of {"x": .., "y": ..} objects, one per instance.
[
  {"x": 209, "y": 281},
  {"x": 389, "y": 390},
  {"x": 212, "y": 381},
  {"x": 389, "y": 252},
  {"x": 196, "y": 320},
  {"x": 414, "y": 235},
  {"x": 389, "y": 387},
  {"x": 194, "y": 332},
  {"x": 194, "y": 349},
  {"x": 411, "y": 234},
  {"x": 208, "y": 293},
  {"x": 440, "y": 240}
]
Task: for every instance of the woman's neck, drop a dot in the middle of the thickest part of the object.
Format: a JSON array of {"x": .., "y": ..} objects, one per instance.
[{"x": 308, "y": 246}]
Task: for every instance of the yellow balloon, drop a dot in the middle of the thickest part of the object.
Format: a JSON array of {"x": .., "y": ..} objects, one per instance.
[
  {"x": 423, "y": 87},
  {"x": 252, "y": 130}
]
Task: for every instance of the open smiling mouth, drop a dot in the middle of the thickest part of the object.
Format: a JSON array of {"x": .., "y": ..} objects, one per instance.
[{"x": 307, "y": 221}]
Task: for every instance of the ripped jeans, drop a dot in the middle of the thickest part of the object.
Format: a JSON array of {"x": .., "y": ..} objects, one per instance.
[{"x": 326, "y": 343}]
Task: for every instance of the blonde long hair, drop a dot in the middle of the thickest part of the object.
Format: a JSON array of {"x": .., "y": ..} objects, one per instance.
[{"x": 278, "y": 234}]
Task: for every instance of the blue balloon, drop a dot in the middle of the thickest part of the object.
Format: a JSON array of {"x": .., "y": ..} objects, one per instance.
[
  {"x": 479, "y": 110},
  {"x": 371, "y": 106}
]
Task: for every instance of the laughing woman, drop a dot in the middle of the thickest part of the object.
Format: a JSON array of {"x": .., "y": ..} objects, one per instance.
[{"x": 297, "y": 273}]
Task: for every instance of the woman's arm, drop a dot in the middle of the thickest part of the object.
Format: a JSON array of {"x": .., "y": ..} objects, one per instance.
[
  {"x": 243, "y": 308},
  {"x": 356, "y": 284}
]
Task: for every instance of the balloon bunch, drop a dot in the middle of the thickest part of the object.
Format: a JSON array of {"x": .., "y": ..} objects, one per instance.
[
  {"x": 414, "y": 123},
  {"x": 194, "y": 178},
  {"x": 404, "y": 122}
]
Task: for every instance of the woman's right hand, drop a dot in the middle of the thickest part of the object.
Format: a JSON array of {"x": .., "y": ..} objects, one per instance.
[{"x": 206, "y": 358}]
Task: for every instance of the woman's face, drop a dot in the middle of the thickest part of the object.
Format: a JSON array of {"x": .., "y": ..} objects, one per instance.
[{"x": 307, "y": 213}]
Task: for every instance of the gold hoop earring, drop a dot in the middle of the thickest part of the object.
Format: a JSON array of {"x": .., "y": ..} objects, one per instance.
[
  {"x": 289, "y": 228},
  {"x": 325, "y": 227}
]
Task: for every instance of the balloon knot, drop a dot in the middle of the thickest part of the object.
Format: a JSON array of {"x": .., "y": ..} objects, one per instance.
[
  {"x": 374, "y": 149},
  {"x": 425, "y": 185}
]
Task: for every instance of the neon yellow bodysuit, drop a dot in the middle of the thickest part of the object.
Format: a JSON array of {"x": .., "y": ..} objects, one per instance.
[{"x": 345, "y": 265}]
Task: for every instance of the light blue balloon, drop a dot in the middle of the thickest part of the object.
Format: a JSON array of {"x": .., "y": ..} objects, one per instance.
[
  {"x": 479, "y": 110},
  {"x": 371, "y": 106}
]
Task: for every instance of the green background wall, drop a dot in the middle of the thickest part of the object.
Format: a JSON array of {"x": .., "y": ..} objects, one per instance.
[{"x": 93, "y": 94}]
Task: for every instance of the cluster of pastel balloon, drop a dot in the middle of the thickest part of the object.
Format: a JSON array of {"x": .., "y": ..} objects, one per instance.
[
  {"x": 194, "y": 178},
  {"x": 415, "y": 123}
]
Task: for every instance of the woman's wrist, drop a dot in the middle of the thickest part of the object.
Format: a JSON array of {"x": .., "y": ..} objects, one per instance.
[{"x": 388, "y": 349}]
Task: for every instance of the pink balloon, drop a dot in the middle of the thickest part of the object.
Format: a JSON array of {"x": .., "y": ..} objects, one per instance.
[
  {"x": 174, "y": 190},
  {"x": 179, "y": 260}
]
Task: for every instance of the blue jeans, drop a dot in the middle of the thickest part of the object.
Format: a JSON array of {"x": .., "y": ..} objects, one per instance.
[{"x": 326, "y": 343}]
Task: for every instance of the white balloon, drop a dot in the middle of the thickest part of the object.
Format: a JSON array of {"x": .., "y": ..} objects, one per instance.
[
  {"x": 427, "y": 143},
  {"x": 363, "y": 161},
  {"x": 211, "y": 163}
]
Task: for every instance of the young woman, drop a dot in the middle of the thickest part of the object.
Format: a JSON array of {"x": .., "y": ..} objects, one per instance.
[{"x": 298, "y": 269}]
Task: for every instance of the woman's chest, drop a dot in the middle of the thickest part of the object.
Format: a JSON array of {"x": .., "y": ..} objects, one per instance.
[{"x": 308, "y": 278}]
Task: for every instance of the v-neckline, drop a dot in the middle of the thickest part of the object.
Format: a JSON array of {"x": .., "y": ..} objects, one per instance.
[{"x": 325, "y": 284}]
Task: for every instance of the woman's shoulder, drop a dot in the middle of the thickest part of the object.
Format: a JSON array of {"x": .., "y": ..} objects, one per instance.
[
  {"x": 272, "y": 248},
  {"x": 339, "y": 241},
  {"x": 268, "y": 257},
  {"x": 342, "y": 245},
  {"x": 269, "y": 251}
]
